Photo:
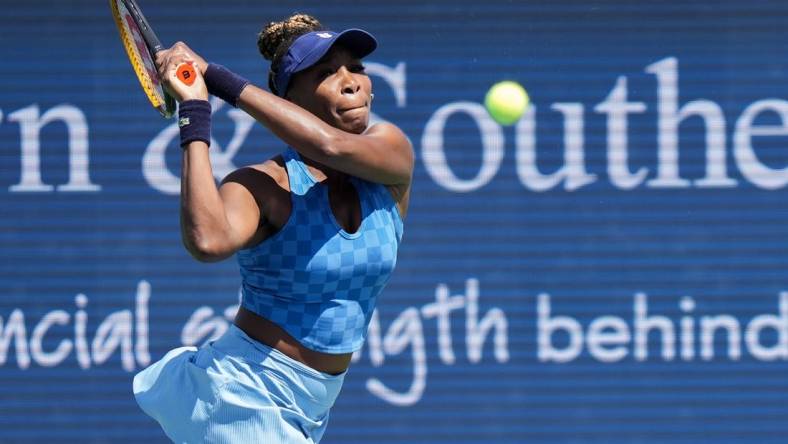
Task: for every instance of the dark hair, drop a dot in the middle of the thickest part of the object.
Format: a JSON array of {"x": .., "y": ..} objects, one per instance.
[{"x": 276, "y": 37}]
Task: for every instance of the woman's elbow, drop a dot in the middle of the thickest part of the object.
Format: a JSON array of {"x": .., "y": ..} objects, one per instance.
[{"x": 207, "y": 250}]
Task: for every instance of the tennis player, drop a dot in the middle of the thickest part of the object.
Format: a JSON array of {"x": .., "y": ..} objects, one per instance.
[{"x": 315, "y": 230}]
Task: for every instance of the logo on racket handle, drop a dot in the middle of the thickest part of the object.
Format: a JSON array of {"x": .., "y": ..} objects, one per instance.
[{"x": 185, "y": 72}]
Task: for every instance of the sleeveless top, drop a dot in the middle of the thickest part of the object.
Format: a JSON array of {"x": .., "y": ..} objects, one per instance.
[{"x": 314, "y": 279}]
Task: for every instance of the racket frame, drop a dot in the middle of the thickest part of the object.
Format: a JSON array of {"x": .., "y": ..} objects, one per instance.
[{"x": 166, "y": 106}]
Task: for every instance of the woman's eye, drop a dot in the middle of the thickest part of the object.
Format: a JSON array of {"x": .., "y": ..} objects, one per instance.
[
  {"x": 357, "y": 68},
  {"x": 324, "y": 73}
]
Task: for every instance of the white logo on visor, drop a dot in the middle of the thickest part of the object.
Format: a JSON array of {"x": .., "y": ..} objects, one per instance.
[{"x": 324, "y": 35}]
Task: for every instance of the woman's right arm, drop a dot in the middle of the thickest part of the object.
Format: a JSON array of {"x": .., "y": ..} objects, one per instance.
[{"x": 215, "y": 222}]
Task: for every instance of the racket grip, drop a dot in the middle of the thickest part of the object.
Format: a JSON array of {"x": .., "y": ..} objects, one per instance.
[{"x": 186, "y": 74}]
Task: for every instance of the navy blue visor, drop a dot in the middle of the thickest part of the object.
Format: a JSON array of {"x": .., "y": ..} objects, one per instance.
[{"x": 309, "y": 48}]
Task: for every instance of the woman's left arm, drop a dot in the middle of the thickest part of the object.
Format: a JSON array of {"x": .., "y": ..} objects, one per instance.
[{"x": 382, "y": 154}]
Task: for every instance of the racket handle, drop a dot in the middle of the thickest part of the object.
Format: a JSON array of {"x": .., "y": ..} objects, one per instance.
[{"x": 186, "y": 74}]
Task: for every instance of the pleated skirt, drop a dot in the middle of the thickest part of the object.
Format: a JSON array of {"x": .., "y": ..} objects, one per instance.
[{"x": 236, "y": 390}]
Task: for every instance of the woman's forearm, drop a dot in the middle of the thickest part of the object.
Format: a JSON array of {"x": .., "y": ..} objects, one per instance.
[
  {"x": 381, "y": 154},
  {"x": 296, "y": 126}
]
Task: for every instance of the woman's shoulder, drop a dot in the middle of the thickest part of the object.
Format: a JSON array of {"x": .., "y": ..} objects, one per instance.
[{"x": 267, "y": 183}]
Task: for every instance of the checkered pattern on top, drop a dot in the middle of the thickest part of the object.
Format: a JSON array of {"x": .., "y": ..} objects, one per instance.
[{"x": 314, "y": 279}]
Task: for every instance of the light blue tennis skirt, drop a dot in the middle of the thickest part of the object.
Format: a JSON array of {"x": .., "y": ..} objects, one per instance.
[{"x": 236, "y": 390}]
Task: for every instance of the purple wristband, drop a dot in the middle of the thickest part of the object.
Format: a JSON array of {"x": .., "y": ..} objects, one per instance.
[
  {"x": 224, "y": 84},
  {"x": 194, "y": 120}
]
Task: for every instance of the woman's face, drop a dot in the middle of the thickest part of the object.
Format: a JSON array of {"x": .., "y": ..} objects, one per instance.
[{"x": 336, "y": 90}]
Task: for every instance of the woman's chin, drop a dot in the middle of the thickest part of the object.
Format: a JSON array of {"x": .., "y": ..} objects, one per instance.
[
  {"x": 355, "y": 124},
  {"x": 359, "y": 129}
]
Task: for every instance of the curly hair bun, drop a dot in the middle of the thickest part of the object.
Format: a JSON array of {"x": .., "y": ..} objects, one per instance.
[{"x": 272, "y": 37}]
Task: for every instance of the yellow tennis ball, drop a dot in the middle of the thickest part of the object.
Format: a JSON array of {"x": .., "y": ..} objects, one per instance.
[{"x": 506, "y": 102}]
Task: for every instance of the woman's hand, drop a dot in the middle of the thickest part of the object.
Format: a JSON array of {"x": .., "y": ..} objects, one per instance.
[
  {"x": 168, "y": 61},
  {"x": 182, "y": 49}
]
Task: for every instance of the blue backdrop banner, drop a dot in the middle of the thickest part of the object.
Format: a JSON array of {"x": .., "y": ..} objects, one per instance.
[{"x": 610, "y": 269}]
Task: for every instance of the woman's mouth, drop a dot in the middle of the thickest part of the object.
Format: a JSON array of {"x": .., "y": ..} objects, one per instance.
[{"x": 344, "y": 110}]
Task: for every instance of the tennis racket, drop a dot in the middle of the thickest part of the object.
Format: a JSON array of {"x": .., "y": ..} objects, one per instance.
[{"x": 141, "y": 46}]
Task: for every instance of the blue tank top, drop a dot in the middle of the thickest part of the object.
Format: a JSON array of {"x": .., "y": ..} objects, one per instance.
[{"x": 314, "y": 279}]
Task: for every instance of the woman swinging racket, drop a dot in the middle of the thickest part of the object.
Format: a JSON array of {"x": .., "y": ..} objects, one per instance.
[{"x": 315, "y": 230}]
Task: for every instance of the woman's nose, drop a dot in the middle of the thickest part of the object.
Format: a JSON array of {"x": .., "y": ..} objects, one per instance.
[{"x": 349, "y": 83}]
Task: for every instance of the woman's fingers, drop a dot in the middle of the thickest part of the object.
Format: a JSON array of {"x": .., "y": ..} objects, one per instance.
[
  {"x": 169, "y": 60},
  {"x": 178, "y": 53},
  {"x": 161, "y": 56},
  {"x": 183, "y": 89},
  {"x": 183, "y": 48}
]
